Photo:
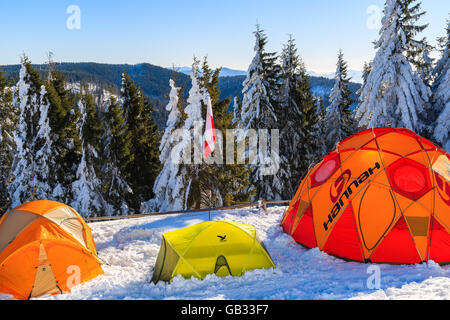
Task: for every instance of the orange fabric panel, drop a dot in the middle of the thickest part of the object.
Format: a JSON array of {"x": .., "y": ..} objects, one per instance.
[
  {"x": 398, "y": 143},
  {"x": 322, "y": 207},
  {"x": 373, "y": 226},
  {"x": 71, "y": 264},
  {"x": 27, "y": 236},
  {"x": 346, "y": 156},
  {"x": 356, "y": 141},
  {"x": 17, "y": 274},
  {"x": 422, "y": 158},
  {"x": 89, "y": 239},
  {"x": 388, "y": 158},
  {"x": 371, "y": 145}
]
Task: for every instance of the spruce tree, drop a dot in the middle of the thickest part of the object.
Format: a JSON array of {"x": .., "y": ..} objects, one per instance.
[
  {"x": 440, "y": 112},
  {"x": 237, "y": 106},
  {"x": 260, "y": 92},
  {"x": 416, "y": 50},
  {"x": 222, "y": 183},
  {"x": 33, "y": 159},
  {"x": 312, "y": 150},
  {"x": 45, "y": 157},
  {"x": 393, "y": 94},
  {"x": 260, "y": 111},
  {"x": 87, "y": 190},
  {"x": 191, "y": 172},
  {"x": 117, "y": 156},
  {"x": 8, "y": 119},
  {"x": 64, "y": 134},
  {"x": 339, "y": 122},
  {"x": 299, "y": 116},
  {"x": 366, "y": 71},
  {"x": 167, "y": 185},
  {"x": 143, "y": 170},
  {"x": 320, "y": 133}
]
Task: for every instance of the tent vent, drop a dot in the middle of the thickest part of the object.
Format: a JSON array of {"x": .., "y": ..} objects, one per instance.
[{"x": 220, "y": 263}]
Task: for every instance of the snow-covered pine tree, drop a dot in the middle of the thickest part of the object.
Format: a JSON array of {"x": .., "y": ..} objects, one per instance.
[
  {"x": 30, "y": 170},
  {"x": 8, "y": 119},
  {"x": 260, "y": 88},
  {"x": 222, "y": 183},
  {"x": 313, "y": 147},
  {"x": 260, "y": 112},
  {"x": 320, "y": 133},
  {"x": 339, "y": 122},
  {"x": 167, "y": 184},
  {"x": 19, "y": 188},
  {"x": 117, "y": 156},
  {"x": 425, "y": 70},
  {"x": 87, "y": 189},
  {"x": 205, "y": 189},
  {"x": 44, "y": 159},
  {"x": 298, "y": 117},
  {"x": 366, "y": 71},
  {"x": 192, "y": 155},
  {"x": 62, "y": 116},
  {"x": 145, "y": 166},
  {"x": 441, "y": 95},
  {"x": 237, "y": 106},
  {"x": 393, "y": 94},
  {"x": 416, "y": 50}
]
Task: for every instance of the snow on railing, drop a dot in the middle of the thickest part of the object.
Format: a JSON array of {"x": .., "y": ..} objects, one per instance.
[{"x": 259, "y": 204}]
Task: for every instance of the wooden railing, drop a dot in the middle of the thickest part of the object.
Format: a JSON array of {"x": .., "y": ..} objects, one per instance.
[{"x": 260, "y": 204}]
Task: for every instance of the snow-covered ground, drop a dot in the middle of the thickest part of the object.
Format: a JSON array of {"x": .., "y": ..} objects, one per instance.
[{"x": 129, "y": 249}]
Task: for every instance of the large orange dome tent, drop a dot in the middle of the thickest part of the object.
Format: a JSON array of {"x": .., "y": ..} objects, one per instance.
[
  {"x": 45, "y": 248},
  {"x": 382, "y": 196}
]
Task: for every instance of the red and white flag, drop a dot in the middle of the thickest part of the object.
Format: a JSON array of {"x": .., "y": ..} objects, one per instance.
[{"x": 210, "y": 132}]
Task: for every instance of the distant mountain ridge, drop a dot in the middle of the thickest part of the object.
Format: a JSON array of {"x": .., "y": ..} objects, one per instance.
[
  {"x": 154, "y": 80},
  {"x": 355, "y": 75},
  {"x": 224, "y": 72}
]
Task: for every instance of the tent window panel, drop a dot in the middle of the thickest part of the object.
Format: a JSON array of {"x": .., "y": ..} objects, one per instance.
[{"x": 68, "y": 220}]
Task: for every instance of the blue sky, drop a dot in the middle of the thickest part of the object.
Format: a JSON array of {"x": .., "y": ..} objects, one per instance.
[{"x": 172, "y": 32}]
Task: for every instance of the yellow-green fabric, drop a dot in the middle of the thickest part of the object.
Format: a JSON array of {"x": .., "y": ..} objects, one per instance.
[
  {"x": 210, "y": 247},
  {"x": 165, "y": 263}
]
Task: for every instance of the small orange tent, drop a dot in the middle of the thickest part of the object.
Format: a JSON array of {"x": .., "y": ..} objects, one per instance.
[
  {"x": 382, "y": 196},
  {"x": 45, "y": 248}
]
